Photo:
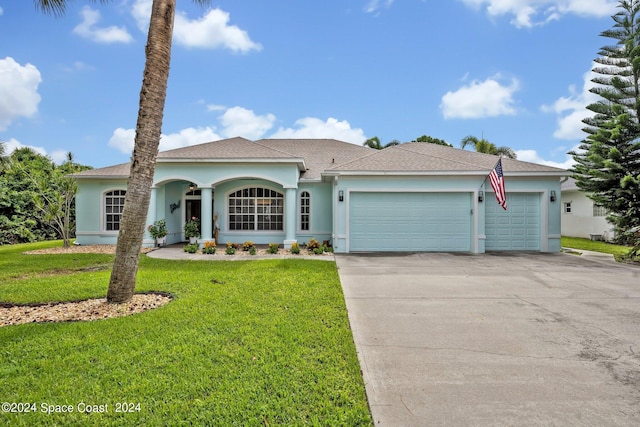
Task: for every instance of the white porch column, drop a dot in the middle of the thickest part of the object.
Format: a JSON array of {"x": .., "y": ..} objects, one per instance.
[
  {"x": 290, "y": 204},
  {"x": 151, "y": 214},
  {"x": 206, "y": 230}
]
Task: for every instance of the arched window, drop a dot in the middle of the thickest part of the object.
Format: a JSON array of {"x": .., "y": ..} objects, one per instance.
[
  {"x": 113, "y": 207},
  {"x": 305, "y": 210},
  {"x": 256, "y": 208}
]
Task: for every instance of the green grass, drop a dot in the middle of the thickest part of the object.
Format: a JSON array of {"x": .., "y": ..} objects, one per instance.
[
  {"x": 251, "y": 343},
  {"x": 589, "y": 245}
]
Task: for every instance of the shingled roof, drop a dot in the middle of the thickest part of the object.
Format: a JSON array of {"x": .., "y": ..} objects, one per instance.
[
  {"x": 317, "y": 157},
  {"x": 420, "y": 157}
]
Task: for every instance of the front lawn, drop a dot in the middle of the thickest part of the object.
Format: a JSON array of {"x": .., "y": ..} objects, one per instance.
[
  {"x": 596, "y": 246},
  {"x": 258, "y": 343}
]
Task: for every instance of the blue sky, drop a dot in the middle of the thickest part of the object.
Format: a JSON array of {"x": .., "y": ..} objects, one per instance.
[{"x": 514, "y": 71}]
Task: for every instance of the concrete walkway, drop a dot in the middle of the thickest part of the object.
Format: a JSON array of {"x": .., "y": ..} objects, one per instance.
[{"x": 496, "y": 339}]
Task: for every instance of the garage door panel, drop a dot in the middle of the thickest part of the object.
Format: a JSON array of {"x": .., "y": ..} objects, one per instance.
[
  {"x": 417, "y": 222},
  {"x": 517, "y": 228}
]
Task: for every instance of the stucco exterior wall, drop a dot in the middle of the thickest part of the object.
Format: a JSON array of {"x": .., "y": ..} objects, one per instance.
[
  {"x": 581, "y": 222},
  {"x": 90, "y": 211}
]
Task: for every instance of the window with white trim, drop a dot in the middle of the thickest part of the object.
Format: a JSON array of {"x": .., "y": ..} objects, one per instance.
[
  {"x": 256, "y": 208},
  {"x": 599, "y": 210},
  {"x": 305, "y": 210},
  {"x": 113, "y": 207},
  {"x": 567, "y": 207}
]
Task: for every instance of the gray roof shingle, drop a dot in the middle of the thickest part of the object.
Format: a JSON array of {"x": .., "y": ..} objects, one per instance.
[
  {"x": 426, "y": 157},
  {"x": 316, "y": 157}
]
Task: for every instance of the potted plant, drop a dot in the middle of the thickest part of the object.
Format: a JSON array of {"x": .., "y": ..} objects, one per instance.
[
  {"x": 159, "y": 231},
  {"x": 192, "y": 230}
]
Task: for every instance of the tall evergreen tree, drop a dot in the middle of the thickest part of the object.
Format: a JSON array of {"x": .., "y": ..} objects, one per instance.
[{"x": 608, "y": 164}]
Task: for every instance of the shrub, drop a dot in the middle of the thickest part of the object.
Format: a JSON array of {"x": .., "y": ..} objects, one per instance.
[
  {"x": 191, "y": 248},
  {"x": 230, "y": 250},
  {"x": 209, "y": 247},
  {"x": 328, "y": 249},
  {"x": 295, "y": 248},
  {"x": 158, "y": 229},
  {"x": 252, "y": 250},
  {"x": 247, "y": 245},
  {"x": 273, "y": 248},
  {"x": 313, "y": 244},
  {"x": 319, "y": 250},
  {"x": 192, "y": 228}
]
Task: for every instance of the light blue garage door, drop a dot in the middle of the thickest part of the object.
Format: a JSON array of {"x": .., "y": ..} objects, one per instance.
[
  {"x": 397, "y": 222},
  {"x": 517, "y": 228}
]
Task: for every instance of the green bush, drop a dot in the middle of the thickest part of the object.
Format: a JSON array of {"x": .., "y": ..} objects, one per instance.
[
  {"x": 295, "y": 248},
  {"x": 252, "y": 250},
  {"x": 318, "y": 250},
  {"x": 313, "y": 244},
  {"x": 273, "y": 248},
  {"x": 231, "y": 249},
  {"x": 191, "y": 248}
]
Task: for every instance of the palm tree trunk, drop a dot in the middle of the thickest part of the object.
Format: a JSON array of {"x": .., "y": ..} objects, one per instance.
[{"x": 143, "y": 161}]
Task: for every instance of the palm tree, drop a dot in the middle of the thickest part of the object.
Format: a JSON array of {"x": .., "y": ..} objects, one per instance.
[
  {"x": 148, "y": 128},
  {"x": 484, "y": 146},
  {"x": 375, "y": 143}
]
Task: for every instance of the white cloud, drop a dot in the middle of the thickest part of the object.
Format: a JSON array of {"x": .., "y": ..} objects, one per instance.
[
  {"x": 19, "y": 95},
  {"x": 211, "y": 31},
  {"x": 311, "y": 127},
  {"x": 1, "y": 11},
  {"x": 572, "y": 109},
  {"x": 123, "y": 139},
  {"x": 489, "y": 98},
  {"x": 528, "y": 13},
  {"x": 238, "y": 121},
  {"x": 58, "y": 156},
  {"x": 215, "y": 107},
  {"x": 533, "y": 157},
  {"x": 88, "y": 30},
  {"x": 375, "y": 5}
]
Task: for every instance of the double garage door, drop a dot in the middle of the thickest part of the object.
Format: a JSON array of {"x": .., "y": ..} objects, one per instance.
[
  {"x": 409, "y": 222},
  {"x": 440, "y": 222}
]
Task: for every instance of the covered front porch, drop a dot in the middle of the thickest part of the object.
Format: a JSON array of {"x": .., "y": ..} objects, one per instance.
[{"x": 233, "y": 210}]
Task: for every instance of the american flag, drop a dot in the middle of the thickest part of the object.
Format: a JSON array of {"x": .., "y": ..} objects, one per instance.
[{"x": 497, "y": 183}]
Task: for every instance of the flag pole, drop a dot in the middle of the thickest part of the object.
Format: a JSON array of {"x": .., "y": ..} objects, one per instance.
[{"x": 487, "y": 175}]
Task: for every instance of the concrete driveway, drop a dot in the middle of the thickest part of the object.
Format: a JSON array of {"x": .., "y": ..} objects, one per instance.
[{"x": 496, "y": 339}]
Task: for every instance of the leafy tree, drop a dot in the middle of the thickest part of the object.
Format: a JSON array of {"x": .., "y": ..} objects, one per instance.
[
  {"x": 143, "y": 160},
  {"x": 29, "y": 185},
  {"x": 608, "y": 163},
  {"x": 392, "y": 143},
  {"x": 431, "y": 140},
  {"x": 3, "y": 156},
  {"x": 484, "y": 146},
  {"x": 55, "y": 199}
]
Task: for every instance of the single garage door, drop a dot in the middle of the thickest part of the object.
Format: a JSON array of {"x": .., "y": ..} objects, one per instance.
[
  {"x": 517, "y": 228},
  {"x": 409, "y": 222}
]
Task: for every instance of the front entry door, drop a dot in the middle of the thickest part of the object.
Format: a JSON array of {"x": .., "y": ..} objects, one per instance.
[{"x": 193, "y": 208}]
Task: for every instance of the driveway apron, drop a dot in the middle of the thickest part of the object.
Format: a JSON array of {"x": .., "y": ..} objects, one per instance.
[{"x": 496, "y": 339}]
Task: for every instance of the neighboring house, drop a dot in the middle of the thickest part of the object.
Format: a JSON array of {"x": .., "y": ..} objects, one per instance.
[
  {"x": 581, "y": 216},
  {"x": 411, "y": 197}
]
